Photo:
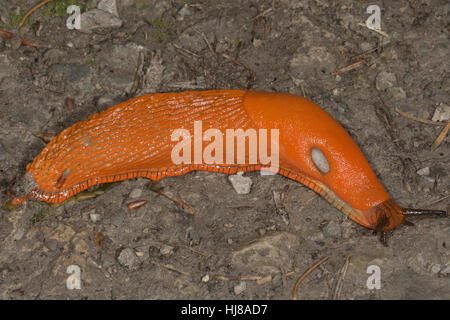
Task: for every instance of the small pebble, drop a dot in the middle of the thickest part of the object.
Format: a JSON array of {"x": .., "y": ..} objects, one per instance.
[
  {"x": 397, "y": 93},
  {"x": 436, "y": 268},
  {"x": 185, "y": 11},
  {"x": 239, "y": 288},
  {"x": 105, "y": 101},
  {"x": 95, "y": 217},
  {"x": 424, "y": 171},
  {"x": 385, "y": 80},
  {"x": 166, "y": 250},
  {"x": 257, "y": 42},
  {"x": 365, "y": 46},
  {"x": 109, "y": 6},
  {"x": 205, "y": 278},
  {"x": 97, "y": 19},
  {"x": 192, "y": 237},
  {"x": 446, "y": 270},
  {"x": 135, "y": 193},
  {"x": 240, "y": 183},
  {"x": 153, "y": 251},
  {"x": 128, "y": 258},
  {"x": 332, "y": 230},
  {"x": 442, "y": 113}
]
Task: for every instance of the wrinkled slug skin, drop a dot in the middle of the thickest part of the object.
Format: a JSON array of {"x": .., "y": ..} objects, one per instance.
[{"x": 133, "y": 139}]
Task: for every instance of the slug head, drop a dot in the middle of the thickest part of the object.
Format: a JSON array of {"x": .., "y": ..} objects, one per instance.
[
  {"x": 389, "y": 215},
  {"x": 23, "y": 186},
  {"x": 325, "y": 158}
]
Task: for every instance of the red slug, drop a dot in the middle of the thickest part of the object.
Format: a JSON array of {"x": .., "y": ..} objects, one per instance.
[{"x": 139, "y": 138}]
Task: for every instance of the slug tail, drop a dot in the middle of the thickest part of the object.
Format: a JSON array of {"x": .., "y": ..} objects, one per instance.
[
  {"x": 19, "y": 200},
  {"x": 26, "y": 187}
]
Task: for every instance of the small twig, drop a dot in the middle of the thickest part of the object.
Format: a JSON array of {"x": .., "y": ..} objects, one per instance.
[
  {"x": 185, "y": 85},
  {"x": 340, "y": 282},
  {"x": 262, "y": 14},
  {"x": 183, "y": 204},
  {"x": 258, "y": 279},
  {"x": 138, "y": 25},
  {"x": 365, "y": 52},
  {"x": 45, "y": 137},
  {"x": 278, "y": 197},
  {"x": 251, "y": 77},
  {"x": 441, "y": 137},
  {"x": 40, "y": 4},
  {"x": 264, "y": 280},
  {"x": 304, "y": 275},
  {"x": 291, "y": 273},
  {"x": 303, "y": 90},
  {"x": 9, "y": 35},
  {"x": 384, "y": 34},
  {"x": 5, "y": 34},
  {"x": 239, "y": 278},
  {"x": 185, "y": 51},
  {"x": 436, "y": 201},
  {"x": 408, "y": 116},
  {"x": 69, "y": 104},
  {"x": 171, "y": 268},
  {"x": 98, "y": 240},
  {"x": 351, "y": 66},
  {"x": 29, "y": 43},
  {"x": 207, "y": 42},
  {"x": 283, "y": 277},
  {"x": 138, "y": 75}
]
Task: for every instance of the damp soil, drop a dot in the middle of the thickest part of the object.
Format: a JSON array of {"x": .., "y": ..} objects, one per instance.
[{"x": 235, "y": 246}]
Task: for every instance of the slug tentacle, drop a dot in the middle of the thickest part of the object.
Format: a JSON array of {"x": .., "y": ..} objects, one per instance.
[
  {"x": 391, "y": 215},
  {"x": 422, "y": 212}
]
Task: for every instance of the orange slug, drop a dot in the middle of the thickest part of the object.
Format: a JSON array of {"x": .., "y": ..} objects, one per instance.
[{"x": 137, "y": 138}]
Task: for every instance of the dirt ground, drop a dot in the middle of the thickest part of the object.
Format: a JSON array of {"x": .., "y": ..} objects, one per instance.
[{"x": 235, "y": 246}]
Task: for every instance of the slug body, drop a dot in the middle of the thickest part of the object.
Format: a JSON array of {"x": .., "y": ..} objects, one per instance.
[{"x": 135, "y": 139}]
